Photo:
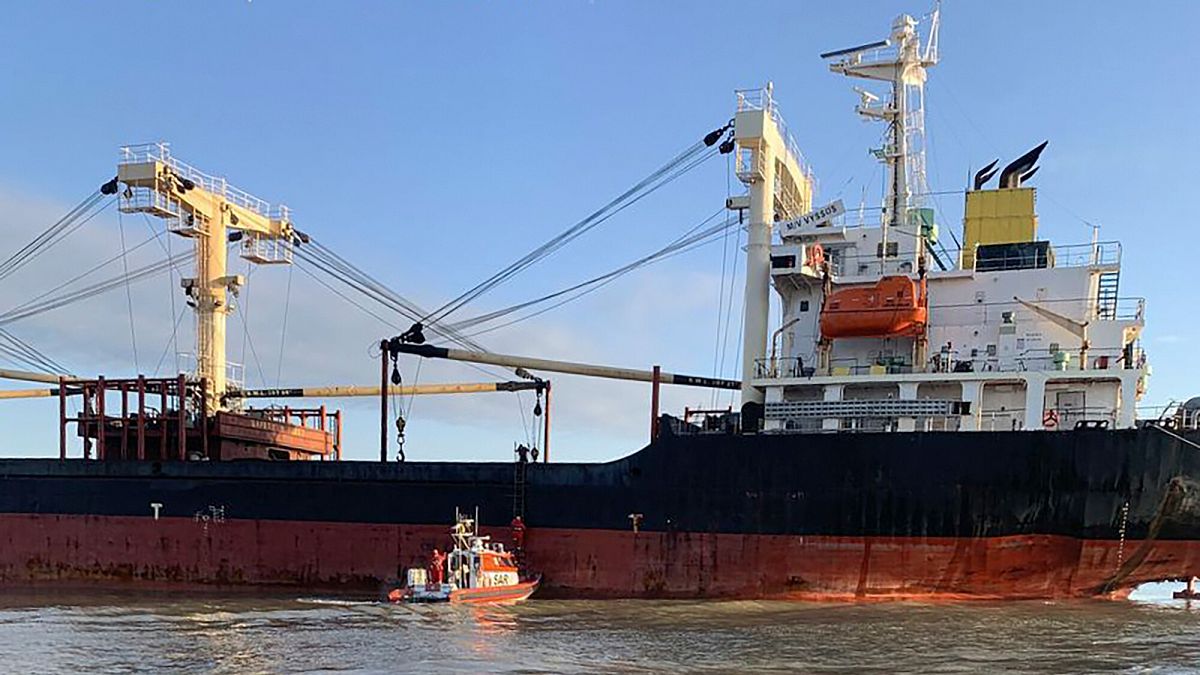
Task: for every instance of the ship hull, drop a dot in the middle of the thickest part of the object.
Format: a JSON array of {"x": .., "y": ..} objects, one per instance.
[{"x": 987, "y": 515}]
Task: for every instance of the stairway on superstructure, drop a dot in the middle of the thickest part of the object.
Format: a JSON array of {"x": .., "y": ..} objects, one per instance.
[{"x": 1106, "y": 295}]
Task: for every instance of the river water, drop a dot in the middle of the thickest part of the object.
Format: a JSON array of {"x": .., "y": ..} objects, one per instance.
[{"x": 95, "y": 632}]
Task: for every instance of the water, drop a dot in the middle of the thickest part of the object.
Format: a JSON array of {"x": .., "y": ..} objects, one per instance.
[{"x": 92, "y": 632}]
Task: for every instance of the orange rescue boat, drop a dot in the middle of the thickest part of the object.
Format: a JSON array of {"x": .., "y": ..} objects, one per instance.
[{"x": 477, "y": 571}]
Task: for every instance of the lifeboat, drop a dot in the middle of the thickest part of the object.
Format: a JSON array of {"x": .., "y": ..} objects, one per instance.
[
  {"x": 478, "y": 571},
  {"x": 892, "y": 306}
]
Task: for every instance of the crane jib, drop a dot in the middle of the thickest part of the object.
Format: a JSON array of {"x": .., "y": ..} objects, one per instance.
[{"x": 396, "y": 346}]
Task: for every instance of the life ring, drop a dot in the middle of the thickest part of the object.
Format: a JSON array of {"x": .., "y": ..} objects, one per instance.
[
  {"x": 1050, "y": 419},
  {"x": 816, "y": 256}
]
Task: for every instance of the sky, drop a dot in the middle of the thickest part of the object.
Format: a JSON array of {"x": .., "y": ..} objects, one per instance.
[{"x": 434, "y": 143}]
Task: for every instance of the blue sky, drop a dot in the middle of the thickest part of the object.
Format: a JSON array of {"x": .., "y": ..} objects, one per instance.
[{"x": 433, "y": 143}]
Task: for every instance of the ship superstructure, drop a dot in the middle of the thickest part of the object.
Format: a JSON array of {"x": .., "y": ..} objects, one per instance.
[{"x": 883, "y": 329}]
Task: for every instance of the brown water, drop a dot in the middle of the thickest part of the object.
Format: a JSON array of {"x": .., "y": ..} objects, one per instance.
[{"x": 120, "y": 633}]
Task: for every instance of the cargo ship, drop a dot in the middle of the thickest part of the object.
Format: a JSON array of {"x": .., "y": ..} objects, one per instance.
[{"x": 920, "y": 422}]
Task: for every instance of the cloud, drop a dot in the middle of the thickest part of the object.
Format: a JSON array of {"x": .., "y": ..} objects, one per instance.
[{"x": 664, "y": 314}]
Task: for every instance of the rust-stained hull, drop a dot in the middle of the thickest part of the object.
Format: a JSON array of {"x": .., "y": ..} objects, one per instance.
[
  {"x": 357, "y": 558},
  {"x": 971, "y": 514}
]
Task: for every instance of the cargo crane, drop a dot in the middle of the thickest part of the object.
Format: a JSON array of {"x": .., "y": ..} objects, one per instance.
[
  {"x": 210, "y": 211},
  {"x": 203, "y": 415}
]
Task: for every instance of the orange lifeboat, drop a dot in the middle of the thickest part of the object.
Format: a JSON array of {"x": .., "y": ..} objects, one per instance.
[{"x": 894, "y": 305}]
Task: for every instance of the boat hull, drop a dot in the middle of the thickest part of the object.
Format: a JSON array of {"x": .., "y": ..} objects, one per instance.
[
  {"x": 495, "y": 594},
  {"x": 987, "y": 515}
]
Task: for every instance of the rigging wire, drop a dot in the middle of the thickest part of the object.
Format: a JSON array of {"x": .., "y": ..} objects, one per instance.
[
  {"x": 287, "y": 303},
  {"x": 85, "y": 273},
  {"x": 737, "y": 243},
  {"x": 338, "y": 268},
  {"x": 244, "y": 313},
  {"x": 348, "y": 299},
  {"x": 648, "y": 185},
  {"x": 686, "y": 242},
  {"x": 741, "y": 335},
  {"x": 87, "y": 292},
  {"x": 603, "y": 281},
  {"x": 165, "y": 244},
  {"x": 162, "y": 357},
  {"x": 30, "y": 355},
  {"x": 721, "y": 284},
  {"x": 253, "y": 352},
  {"x": 386, "y": 322},
  {"x": 61, "y": 229},
  {"x": 128, "y": 291}
]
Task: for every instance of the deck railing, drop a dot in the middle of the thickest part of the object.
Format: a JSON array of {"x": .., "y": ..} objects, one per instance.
[{"x": 161, "y": 152}]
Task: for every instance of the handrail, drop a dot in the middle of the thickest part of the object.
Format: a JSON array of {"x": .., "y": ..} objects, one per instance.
[
  {"x": 760, "y": 98},
  {"x": 161, "y": 152}
]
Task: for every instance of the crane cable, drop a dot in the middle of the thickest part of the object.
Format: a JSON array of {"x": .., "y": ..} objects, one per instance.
[
  {"x": 22, "y": 351},
  {"x": 657, "y": 179},
  {"x": 602, "y": 281},
  {"x": 87, "y": 292},
  {"x": 681, "y": 244},
  {"x": 128, "y": 291},
  {"x": 76, "y": 218},
  {"x": 320, "y": 257},
  {"x": 341, "y": 270}
]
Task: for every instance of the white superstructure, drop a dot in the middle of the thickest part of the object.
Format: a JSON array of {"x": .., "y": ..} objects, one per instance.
[{"x": 884, "y": 328}]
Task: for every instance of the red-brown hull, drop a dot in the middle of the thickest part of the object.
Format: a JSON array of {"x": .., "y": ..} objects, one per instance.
[{"x": 583, "y": 562}]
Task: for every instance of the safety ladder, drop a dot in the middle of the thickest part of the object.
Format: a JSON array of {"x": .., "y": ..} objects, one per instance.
[
  {"x": 519, "y": 468},
  {"x": 1106, "y": 295}
]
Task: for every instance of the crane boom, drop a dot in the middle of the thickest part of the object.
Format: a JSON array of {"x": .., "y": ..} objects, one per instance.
[
  {"x": 1077, "y": 328},
  {"x": 411, "y": 390},
  {"x": 26, "y": 376},
  {"x": 570, "y": 367}
]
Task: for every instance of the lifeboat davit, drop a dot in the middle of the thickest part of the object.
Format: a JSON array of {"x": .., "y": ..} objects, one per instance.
[{"x": 892, "y": 306}]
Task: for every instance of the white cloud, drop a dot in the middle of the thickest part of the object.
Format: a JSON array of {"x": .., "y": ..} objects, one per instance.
[{"x": 662, "y": 315}]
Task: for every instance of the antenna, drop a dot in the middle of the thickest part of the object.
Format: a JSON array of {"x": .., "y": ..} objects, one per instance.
[
  {"x": 900, "y": 61},
  {"x": 851, "y": 51},
  {"x": 931, "y": 44}
]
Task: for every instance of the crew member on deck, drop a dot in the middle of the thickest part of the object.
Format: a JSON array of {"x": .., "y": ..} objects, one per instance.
[{"x": 437, "y": 563}]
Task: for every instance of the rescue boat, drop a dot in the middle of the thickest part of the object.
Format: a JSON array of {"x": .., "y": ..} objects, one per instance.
[
  {"x": 894, "y": 305},
  {"x": 476, "y": 570}
]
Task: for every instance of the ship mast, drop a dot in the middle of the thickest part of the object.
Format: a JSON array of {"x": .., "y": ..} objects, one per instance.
[
  {"x": 205, "y": 208},
  {"x": 904, "y": 113}
]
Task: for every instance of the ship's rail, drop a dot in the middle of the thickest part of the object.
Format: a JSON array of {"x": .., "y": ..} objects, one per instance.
[
  {"x": 1101, "y": 254},
  {"x": 1013, "y": 419},
  {"x": 1104, "y": 253},
  {"x": 761, "y": 99},
  {"x": 1171, "y": 415},
  {"x": 1008, "y": 419},
  {"x": 1127, "y": 308},
  {"x": 161, "y": 152},
  {"x": 1029, "y": 360}
]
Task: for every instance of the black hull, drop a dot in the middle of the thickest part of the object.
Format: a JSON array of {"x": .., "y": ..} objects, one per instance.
[{"x": 1126, "y": 489}]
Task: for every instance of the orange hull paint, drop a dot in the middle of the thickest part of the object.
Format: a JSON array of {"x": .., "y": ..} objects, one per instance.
[
  {"x": 582, "y": 563},
  {"x": 495, "y": 595}
]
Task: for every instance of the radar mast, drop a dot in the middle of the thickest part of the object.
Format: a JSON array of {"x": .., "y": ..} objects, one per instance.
[{"x": 901, "y": 61}]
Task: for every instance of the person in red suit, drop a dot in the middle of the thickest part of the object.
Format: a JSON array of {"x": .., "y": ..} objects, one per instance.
[{"x": 437, "y": 564}]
